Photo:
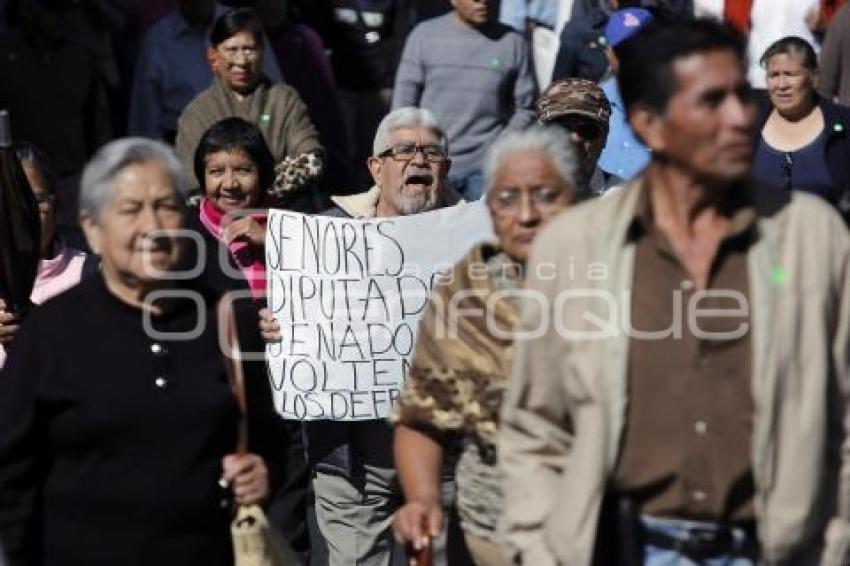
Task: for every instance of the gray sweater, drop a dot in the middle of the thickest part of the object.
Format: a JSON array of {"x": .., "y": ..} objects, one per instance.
[
  {"x": 475, "y": 82},
  {"x": 834, "y": 79}
]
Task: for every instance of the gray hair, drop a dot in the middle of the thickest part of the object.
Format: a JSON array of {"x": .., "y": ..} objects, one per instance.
[
  {"x": 406, "y": 117},
  {"x": 97, "y": 185},
  {"x": 544, "y": 139}
]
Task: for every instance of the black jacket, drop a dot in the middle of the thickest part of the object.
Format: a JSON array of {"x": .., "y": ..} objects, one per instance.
[
  {"x": 288, "y": 505},
  {"x": 582, "y": 48},
  {"x": 111, "y": 438}
]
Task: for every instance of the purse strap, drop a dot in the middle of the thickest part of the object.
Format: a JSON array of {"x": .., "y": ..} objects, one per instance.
[{"x": 229, "y": 341}]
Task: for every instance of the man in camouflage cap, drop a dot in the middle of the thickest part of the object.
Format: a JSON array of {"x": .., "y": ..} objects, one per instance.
[{"x": 580, "y": 107}]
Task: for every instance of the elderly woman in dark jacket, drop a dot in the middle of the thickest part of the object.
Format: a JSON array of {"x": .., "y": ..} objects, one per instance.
[
  {"x": 802, "y": 141},
  {"x": 117, "y": 420}
]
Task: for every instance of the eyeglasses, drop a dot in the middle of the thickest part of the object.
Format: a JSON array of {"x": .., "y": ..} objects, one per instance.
[
  {"x": 508, "y": 202},
  {"x": 249, "y": 52},
  {"x": 404, "y": 152}
]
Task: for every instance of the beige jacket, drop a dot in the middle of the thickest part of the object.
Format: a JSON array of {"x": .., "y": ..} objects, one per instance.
[
  {"x": 365, "y": 205},
  {"x": 359, "y": 205},
  {"x": 563, "y": 414}
]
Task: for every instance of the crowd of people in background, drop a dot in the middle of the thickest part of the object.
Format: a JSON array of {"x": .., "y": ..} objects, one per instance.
[{"x": 625, "y": 151}]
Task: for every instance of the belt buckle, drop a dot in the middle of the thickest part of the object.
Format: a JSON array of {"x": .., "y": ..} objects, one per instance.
[{"x": 708, "y": 543}]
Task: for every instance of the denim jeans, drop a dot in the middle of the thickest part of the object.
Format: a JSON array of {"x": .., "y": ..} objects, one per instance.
[
  {"x": 657, "y": 556},
  {"x": 469, "y": 185}
]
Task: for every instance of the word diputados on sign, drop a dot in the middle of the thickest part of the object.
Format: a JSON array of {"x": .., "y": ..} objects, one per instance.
[{"x": 348, "y": 295}]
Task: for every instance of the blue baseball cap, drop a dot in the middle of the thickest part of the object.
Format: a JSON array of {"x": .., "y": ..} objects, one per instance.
[{"x": 623, "y": 24}]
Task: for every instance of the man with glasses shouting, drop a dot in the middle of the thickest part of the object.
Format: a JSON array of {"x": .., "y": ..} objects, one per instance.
[
  {"x": 355, "y": 482},
  {"x": 475, "y": 75},
  {"x": 409, "y": 164}
]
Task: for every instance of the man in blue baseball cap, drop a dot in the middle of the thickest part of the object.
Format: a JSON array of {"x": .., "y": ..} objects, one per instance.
[
  {"x": 623, "y": 24},
  {"x": 584, "y": 39},
  {"x": 624, "y": 156}
]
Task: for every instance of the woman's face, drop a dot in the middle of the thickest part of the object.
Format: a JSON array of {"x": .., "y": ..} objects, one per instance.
[
  {"x": 527, "y": 192},
  {"x": 231, "y": 180},
  {"x": 135, "y": 233},
  {"x": 46, "y": 210},
  {"x": 789, "y": 84}
]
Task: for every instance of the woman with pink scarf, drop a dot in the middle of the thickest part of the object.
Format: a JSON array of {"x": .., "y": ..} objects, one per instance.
[{"x": 235, "y": 169}]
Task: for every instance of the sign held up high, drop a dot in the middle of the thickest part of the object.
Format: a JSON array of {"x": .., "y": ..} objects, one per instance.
[{"x": 348, "y": 295}]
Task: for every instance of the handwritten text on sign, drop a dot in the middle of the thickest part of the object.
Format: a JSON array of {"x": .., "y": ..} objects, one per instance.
[{"x": 348, "y": 295}]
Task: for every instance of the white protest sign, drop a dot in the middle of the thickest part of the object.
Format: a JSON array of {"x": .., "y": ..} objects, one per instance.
[{"x": 348, "y": 295}]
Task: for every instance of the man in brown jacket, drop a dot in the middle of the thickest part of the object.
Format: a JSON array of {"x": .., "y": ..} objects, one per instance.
[{"x": 687, "y": 355}]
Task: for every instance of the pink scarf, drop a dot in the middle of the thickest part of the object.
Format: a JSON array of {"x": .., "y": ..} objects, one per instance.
[
  {"x": 58, "y": 273},
  {"x": 249, "y": 259}
]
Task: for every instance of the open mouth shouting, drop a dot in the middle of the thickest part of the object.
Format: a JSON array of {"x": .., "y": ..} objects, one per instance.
[{"x": 419, "y": 181}]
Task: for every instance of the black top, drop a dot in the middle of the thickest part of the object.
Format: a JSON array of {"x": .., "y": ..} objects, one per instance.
[
  {"x": 582, "y": 47},
  {"x": 287, "y": 509},
  {"x": 111, "y": 439},
  {"x": 836, "y": 148},
  {"x": 220, "y": 273},
  {"x": 364, "y": 38},
  {"x": 56, "y": 100},
  {"x": 803, "y": 169}
]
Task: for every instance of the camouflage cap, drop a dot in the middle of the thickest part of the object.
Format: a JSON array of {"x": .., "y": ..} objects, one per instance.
[{"x": 573, "y": 96}]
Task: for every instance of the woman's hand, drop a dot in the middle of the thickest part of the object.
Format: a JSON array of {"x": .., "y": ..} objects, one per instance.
[
  {"x": 247, "y": 229},
  {"x": 418, "y": 454},
  {"x": 247, "y": 477},
  {"x": 8, "y": 324},
  {"x": 416, "y": 523},
  {"x": 269, "y": 327}
]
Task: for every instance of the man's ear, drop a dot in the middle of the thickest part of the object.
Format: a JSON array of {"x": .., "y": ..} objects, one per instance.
[
  {"x": 446, "y": 167},
  {"x": 376, "y": 166},
  {"x": 648, "y": 126},
  {"x": 212, "y": 57},
  {"x": 92, "y": 232}
]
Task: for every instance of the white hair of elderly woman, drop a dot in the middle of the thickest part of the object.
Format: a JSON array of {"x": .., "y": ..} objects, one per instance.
[
  {"x": 406, "y": 117},
  {"x": 97, "y": 185},
  {"x": 543, "y": 139}
]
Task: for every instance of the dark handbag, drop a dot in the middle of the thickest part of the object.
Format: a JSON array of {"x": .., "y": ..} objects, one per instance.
[{"x": 255, "y": 543}]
